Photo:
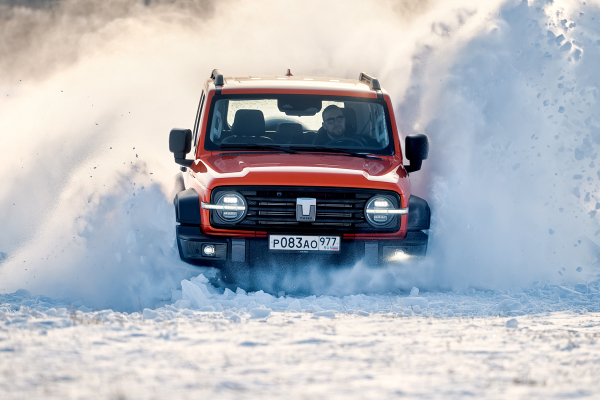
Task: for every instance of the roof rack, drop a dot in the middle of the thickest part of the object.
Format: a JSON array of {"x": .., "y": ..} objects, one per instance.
[
  {"x": 369, "y": 80},
  {"x": 217, "y": 77}
]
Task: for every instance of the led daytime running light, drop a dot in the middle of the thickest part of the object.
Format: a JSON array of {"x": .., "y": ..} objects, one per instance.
[
  {"x": 399, "y": 211},
  {"x": 208, "y": 206}
]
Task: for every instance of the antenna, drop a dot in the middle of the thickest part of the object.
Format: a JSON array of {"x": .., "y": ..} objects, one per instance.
[{"x": 289, "y": 72}]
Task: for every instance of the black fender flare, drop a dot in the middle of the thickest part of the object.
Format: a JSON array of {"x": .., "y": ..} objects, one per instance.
[
  {"x": 419, "y": 214},
  {"x": 187, "y": 207}
]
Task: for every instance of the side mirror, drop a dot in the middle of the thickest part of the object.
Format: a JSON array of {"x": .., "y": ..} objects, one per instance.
[
  {"x": 416, "y": 149},
  {"x": 180, "y": 144}
]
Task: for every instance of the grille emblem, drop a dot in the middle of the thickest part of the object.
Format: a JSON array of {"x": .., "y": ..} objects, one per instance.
[{"x": 306, "y": 209}]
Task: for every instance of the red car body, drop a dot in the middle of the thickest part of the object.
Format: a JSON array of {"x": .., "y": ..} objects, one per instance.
[{"x": 212, "y": 169}]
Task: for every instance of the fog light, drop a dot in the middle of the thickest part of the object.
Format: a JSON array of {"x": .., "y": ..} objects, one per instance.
[
  {"x": 208, "y": 250},
  {"x": 399, "y": 255}
]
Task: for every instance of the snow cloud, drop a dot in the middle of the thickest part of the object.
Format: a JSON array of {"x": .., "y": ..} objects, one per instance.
[{"x": 506, "y": 92}]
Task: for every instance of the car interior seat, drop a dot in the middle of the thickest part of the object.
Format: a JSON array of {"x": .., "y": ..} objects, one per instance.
[
  {"x": 289, "y": 133},
  {"x": 248, "y": 127},
  {"x": 351, "y": 122},
  {"x": 309, "y": 137}
]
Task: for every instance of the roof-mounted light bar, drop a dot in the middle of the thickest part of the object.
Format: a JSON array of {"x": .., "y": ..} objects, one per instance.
[{"x": 369, "y": 80}]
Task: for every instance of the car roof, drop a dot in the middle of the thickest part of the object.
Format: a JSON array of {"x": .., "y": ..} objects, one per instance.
[{"x": 294, "y": 82}]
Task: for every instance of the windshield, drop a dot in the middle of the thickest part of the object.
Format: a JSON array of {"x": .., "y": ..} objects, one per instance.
[{"x": 300, "y": 122}]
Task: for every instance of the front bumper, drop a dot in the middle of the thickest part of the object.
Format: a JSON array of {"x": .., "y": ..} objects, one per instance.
[{"x": 255, "y": 250}]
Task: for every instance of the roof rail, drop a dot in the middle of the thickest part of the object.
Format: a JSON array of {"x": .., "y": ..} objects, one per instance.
[
  {"x": 217, "y": 77},
  {"x": 369, "y": 80}
]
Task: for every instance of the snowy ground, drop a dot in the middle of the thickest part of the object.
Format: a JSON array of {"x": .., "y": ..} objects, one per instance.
[
  {"x": 508, "y": 94},
  {"x": 543, "y": 342}
]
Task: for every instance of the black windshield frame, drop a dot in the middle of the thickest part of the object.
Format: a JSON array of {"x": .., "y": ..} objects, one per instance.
[{"x": 389, "y": 150}]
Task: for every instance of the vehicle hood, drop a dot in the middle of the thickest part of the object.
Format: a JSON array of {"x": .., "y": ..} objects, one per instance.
[{"x": 244, "y": 163}]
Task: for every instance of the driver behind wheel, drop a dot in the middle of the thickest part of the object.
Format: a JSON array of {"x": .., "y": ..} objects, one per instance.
[{"x": 334, "y": 126}]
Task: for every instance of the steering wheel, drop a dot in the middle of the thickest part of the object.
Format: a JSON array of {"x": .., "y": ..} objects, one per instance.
[{"x": 345, "y": 142}]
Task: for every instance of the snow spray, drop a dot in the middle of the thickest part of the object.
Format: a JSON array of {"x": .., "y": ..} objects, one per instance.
[{"x": 506, "y": 92}]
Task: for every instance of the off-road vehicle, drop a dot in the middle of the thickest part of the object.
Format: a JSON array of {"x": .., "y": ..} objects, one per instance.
[{"x": 267, "y": 180}]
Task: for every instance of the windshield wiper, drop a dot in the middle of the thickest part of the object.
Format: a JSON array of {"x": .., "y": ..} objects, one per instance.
[
  {"x": 243, "y": 146},
  {"x": 324, "y": 149}
]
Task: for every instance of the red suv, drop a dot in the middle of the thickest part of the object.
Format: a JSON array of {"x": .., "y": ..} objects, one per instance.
[{"x": 294, "y": 167}]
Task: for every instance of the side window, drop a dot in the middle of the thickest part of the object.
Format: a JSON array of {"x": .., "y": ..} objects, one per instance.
[
  {"x": 380, "y": 132},
  {"x": 219, "y": 120},
  {"x": 197, "y": 122}
]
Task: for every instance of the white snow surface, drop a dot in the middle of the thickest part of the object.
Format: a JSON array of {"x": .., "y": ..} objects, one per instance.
[
  {"x": 250, "y": 345},
  {"x": 95, "y": 303}
]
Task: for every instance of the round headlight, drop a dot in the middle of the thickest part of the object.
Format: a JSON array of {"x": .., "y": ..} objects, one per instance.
[
  {"x": 375, "y": 211},
  {"x": 234, "y": 207}
]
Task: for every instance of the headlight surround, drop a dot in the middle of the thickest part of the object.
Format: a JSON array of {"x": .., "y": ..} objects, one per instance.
[
  {"x": 234, "y": 207},
  {"x": 377, "y": 203}
]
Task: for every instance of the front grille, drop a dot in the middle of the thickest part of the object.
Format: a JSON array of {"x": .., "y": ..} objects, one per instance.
[{"x": 273, "y": 208}]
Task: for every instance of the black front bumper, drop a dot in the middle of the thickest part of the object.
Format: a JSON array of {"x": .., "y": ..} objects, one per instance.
[{"x": 255, "y": 251}]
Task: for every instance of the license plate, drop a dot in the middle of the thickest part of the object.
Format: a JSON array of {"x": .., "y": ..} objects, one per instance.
[{"x": 304, "y": 243}]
